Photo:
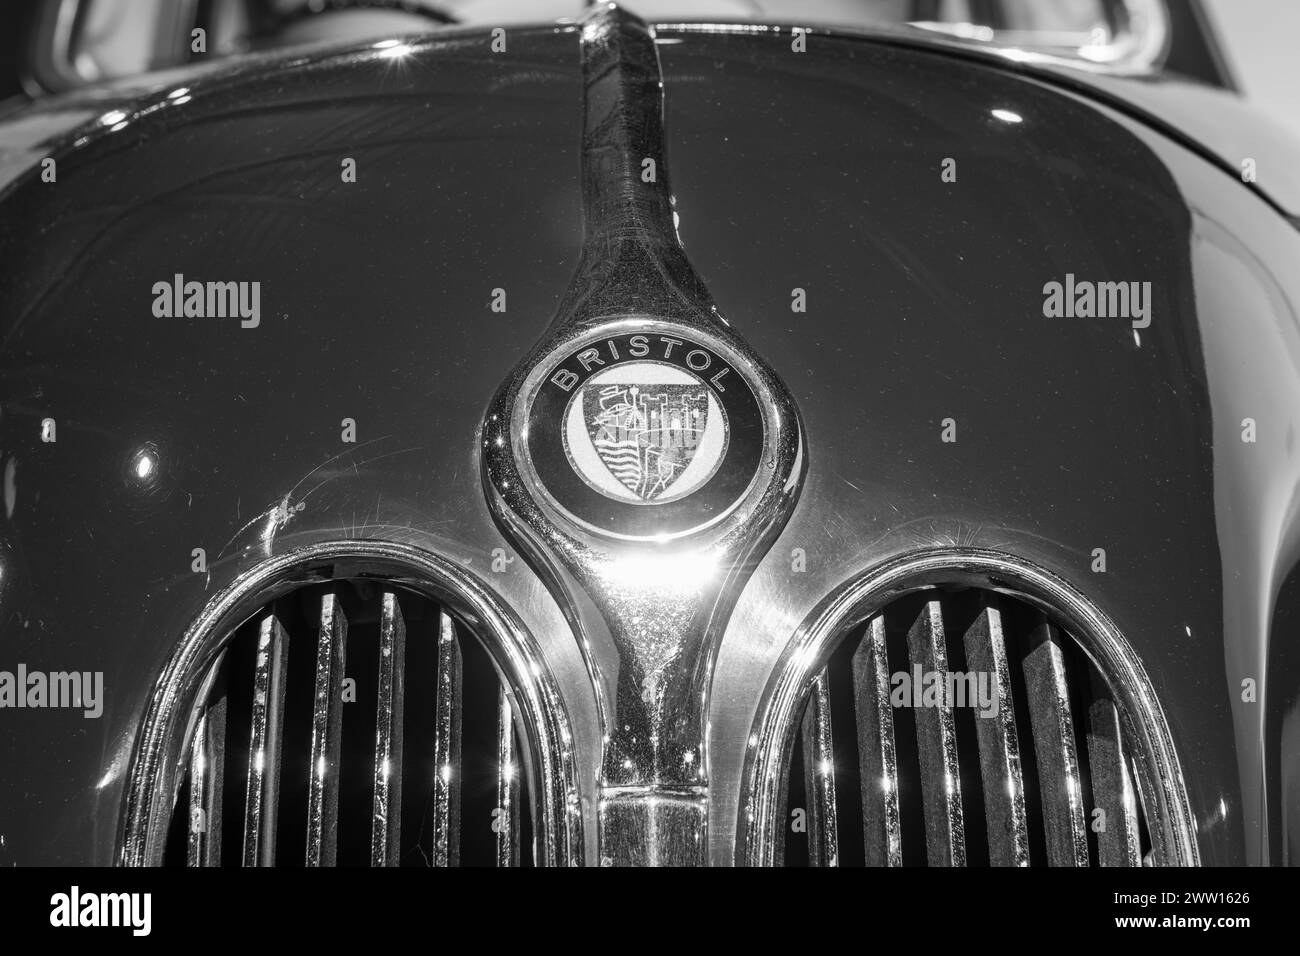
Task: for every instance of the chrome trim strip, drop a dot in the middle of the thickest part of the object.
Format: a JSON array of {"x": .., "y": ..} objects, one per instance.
[
  {"x": 262, "y": 796},
  {"x": 168, "y": 714},
  {"x": 936, "y": 743},
  {"x": 1161, "y": 781},
  {"x": 819, "y": 776},
  {"x": 882, "y": 830},
  {"x": 999, "y": 745},
  {"x": 648, "y": 614},
  {"x": 326, "y": 734},
  {"x": 448, "y": 770},
  {"x": 386, "y": 819}
]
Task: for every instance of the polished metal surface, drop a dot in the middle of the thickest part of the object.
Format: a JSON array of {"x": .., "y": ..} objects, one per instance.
[
  {"x": 945, "y": 826},
  {"x": 819, "y": 776},
  {"x": 389, "y": 719},
  {"x": 1058, "y": 763},
  {"x": 262, "y": 802},
  {"x": 203, "y": 840},
  {"x": 1112, "y": 786},
  {"x": 999, "y": 745},
  {"x": 882, "y": 833},
  {"x": 506, "y": 820},
  {"x": 346, "y": 825},
  {"x": 1163, "y": 789},
  {"x": 156, "y": 768},
  {"x": 326, "y": 735},
  {"x": 959, "y": 742},
  {"x": 448, "y": 767},
  {"x": 923, "y": 304},
  {"x": 649, "y": 608}
]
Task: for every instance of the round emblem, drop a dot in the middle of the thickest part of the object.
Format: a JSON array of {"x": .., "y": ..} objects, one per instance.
[{"x": 644, "y": 434}]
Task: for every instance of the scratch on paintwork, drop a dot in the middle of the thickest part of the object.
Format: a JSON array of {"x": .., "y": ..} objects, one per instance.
[
  {"x": 282, "y": 512},
  {"x": 355, "y": 464},
  {"x": 244, "y": 527},
  {"x": 334, "y": 458},
  {"x": 401, "y": 531},
  {"x": 847, "y": 482}
]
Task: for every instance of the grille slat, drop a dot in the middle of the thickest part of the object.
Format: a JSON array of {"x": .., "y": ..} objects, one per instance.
[
  {"x": 937, "y": 744},
  {"x": 881, "y": 823},
  {"x": 389, "y": 721},
  {"x": 196, "y": 825},
  {"x": 506, "y": 815},
  {"x": 207, "y": 784},
  {"x": 326, "y": 734},
  {"x": 993, "y": 738},
  {"x": 819, "y": 776},
  {"x": 1112, "y": 787},
  {"x": 262, "y": 796},
  {"x": 394, "y": 743},
  {"x": 447, "y": 747},
  {"x": 1054, "y": 746},
  {"x": 999, "y": 745}
]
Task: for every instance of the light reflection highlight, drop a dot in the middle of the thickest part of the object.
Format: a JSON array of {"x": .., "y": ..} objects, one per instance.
[{"x": 685, "y": 573}]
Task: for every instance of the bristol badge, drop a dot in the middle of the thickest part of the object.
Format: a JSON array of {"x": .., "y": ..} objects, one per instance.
[{"x": 635, "y": 431}]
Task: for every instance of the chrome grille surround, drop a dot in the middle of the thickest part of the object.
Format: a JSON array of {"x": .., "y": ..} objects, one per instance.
[
  {"x": 173, "y": 711},
  {"x": 779, "y": 718}
]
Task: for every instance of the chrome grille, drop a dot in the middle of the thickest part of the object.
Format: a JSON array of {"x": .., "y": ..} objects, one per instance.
[
  {"x": 1045, "y": 778},
  {"x": 353, "y": 723}
]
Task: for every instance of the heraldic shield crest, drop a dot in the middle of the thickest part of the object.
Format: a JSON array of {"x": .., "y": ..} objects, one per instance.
[{"x": 646, "y": 433}]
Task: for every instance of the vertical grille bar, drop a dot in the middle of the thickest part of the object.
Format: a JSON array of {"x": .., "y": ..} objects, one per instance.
[
  {"x": 207, "y": 783},
  {"x": 197, "y": 829},
  {"x": 264, "y": 745},
  {"x": 306, "y": 783},
  {"x": 877, "y": 758},
  {"x": 999, "y": 745},
  {"x": 326, "y": 735},
  {"x": 1058, "y": 763},
  {"x": 1112, "y": 787},
  {"x": 1046, "y": 747},
  {"x": 819, "y": 776},
  {"x": 390, "y": 713},
  {"x": 447, "y": 747},
  {"x": 506, "y": 823},
  {"x": 945, "y": 840}
]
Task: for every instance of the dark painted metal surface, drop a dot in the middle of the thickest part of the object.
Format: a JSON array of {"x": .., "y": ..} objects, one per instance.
[
  {"x": 819, "y": 171},
  {"x": 375, "y": 305}
]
